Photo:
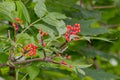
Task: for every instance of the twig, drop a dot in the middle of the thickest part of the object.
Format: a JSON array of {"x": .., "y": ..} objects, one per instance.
[
  {"x": 32, "y": 60},
  {"x": 103, "y": 7},
  {"x": 31, "y": 25},
  {"x": 42, "y": 43},
  {"x": 81, "y": 3},
  {"x": 95, "y": 58},
  {"x": 96, "y": 63},
  {"x": 8, "y": 34},
  {"x": 63, "y": 47}
]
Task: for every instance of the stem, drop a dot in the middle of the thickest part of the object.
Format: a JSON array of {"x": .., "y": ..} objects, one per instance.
[
  {"x": 95, "y": 58},
  {"x": 17, "y": 71},
  {"x": 9, "y": 34},
  {"x": 63, "y": 47},
  {"x": 96, "y": 63},
  {"x": 24, "y": 76},
  {"x": 81, "y": 3},
  {"x": 32, "y": 60},
  {"x": 31, "y": 25},
  {"x": 104, "y": 7},
  {"x": 42, "y": 43}
]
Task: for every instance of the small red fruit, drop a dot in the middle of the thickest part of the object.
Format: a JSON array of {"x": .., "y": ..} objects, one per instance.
[
  {"x": 46, "y": 33},
  {"x": 13, "y": 24},
  {"x": 59, "y": 54},
  {"x": 77, "y": 25},
  {"x": 44, "y": 44},
  {"x": 70, "y": 66},
  {"x": 68, "y": 57},
  {"x": 17, "y": 19},
  {"x": 64, "y": 63}
]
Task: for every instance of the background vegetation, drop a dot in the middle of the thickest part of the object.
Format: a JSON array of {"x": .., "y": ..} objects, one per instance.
[{"x": 96, "y": 56}]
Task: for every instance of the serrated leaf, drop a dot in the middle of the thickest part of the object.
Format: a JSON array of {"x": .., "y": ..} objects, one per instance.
[
  {"x": 4, "y": 70},
  {"x": 40, "y": 9},
  {"x": 50, "y": 20},
  {"x": 96, "y": 38},
  {"x": 22, "y": 11},
  {"x": 61, "y": 27},
  {"x": 9, "y": 5},
  {"x": 100, "y": 74},
  {"x": 57, "y": 15},
  {"x": 86, "y": 28},
  {"x": 93, "y": 52},
  {"x": 33, "y": 72},
  {"x": 84, "y": 66},
  {"x": 3, "y": 57},
  {"x": 6, "y": 9},
  {"x": 81, "y": 71},
  {"x": 24, "y": 38}
]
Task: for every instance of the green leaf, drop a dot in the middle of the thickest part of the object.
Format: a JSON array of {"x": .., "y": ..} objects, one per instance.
[
  {"x": 95, "y": 38},
  {"x": 6, "y": 10},
  {"x": 57, "y": 15},
  {"x": 86, "y": 28},
  {"x": 83, "y": 66},
  {"x": 3, "y": 57},
  {"x": 81, "y": 71},
  {"x": 51, "y": 20},
  {"x": 61, "y": 27},
  {"x": 33, "y": 72},
  {"x": 24, "y": 38},
  {"x": 4, "y": 70},
  {"x": 22, "y": 11},
  {"x": 93, "y": 52},
  {"x": 100, "y": 74},
  {"x": 9, "y": 5},
  {"x": 40, "y": 9}
]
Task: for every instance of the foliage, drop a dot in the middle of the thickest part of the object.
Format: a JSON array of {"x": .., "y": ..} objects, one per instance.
[{"x": 36, "y": 43}]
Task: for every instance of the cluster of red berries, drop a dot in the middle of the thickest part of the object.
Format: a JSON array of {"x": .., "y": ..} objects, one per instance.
[
  {"x": 15, "y": 25},
  {"x": 72, "y": 30},
  {"x": 42, "y": 34},
  {"x": 30, "y": 49},
  {"x": 65, "y": 64}
]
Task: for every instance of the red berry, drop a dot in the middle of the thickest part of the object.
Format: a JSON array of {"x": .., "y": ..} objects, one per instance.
[
  {"x": 70, "y": 66},
  {"x": 59, "y": 54},
  {"x": 42, "y": 33},
  {"x": 46, "y": 33},
  {"x": 44, "y": 44},
  {"x": 77, "y": 25},
  {"x": 69, "y": 26},
  {"x": 64, "y": 63},
  {"x": 16, "y": 28},
  {"x": 17, "y": 19},
  {"x": 13, "y": 24},
  {"x": 68, "y": 57}
]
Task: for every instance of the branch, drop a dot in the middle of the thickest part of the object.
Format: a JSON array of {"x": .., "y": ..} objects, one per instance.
[{"x": 32, "y": 60}]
